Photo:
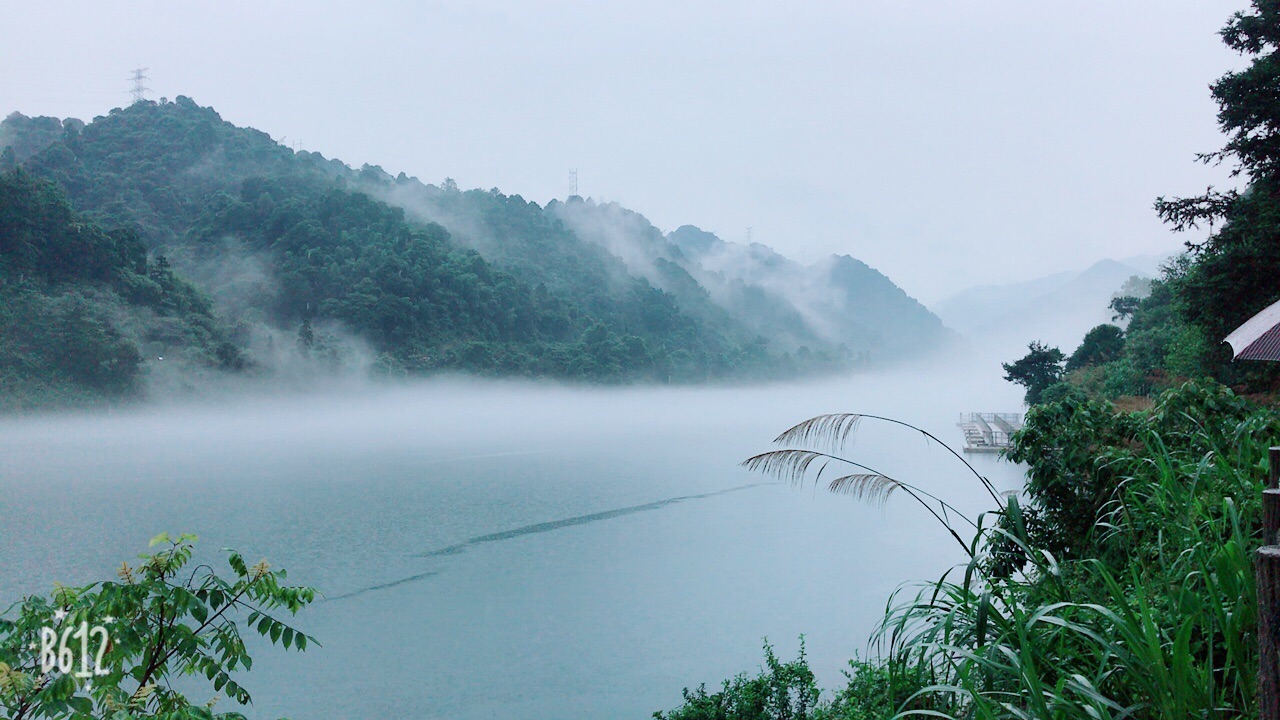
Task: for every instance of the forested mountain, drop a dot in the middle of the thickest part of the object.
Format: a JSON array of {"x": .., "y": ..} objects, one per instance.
[
  {"x": 649, "y": 253},
  {"x": 294, "y": 258},
  {"x": 838, "y": 308}
]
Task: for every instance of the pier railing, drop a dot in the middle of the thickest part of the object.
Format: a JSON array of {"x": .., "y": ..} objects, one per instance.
[
  {"x": 997, "y": 438},
  {"x": 988, "y": 432},
  {"x": 1011, "y": 418}
]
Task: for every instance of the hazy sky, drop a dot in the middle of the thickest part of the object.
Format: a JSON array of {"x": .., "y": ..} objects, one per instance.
[{"x": 947, "y": 144}]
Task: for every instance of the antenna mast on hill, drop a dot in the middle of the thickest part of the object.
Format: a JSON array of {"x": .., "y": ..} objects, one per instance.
[
  {"x": 749, "y": 234},
  {"x": 573, "y": 181},
  {"x": 140, "y": 89}
]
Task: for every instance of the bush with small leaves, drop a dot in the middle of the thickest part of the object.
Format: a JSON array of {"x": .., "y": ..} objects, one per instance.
[{"x": 164, "y": 619}]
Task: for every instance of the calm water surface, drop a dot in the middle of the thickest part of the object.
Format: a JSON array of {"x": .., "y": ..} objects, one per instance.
[{"x": 494, "y": 550}]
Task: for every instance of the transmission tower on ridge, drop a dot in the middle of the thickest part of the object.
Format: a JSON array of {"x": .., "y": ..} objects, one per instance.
[
  {"x": 749, "y": 234},
  {"x": 140, "y": 89},
  {"x": 573, "y": 181}
]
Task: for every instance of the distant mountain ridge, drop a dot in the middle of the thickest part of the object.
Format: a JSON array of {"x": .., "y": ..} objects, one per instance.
[
  {"x": 1058, "y": 309},
  {"x": 293, "y": 247}
]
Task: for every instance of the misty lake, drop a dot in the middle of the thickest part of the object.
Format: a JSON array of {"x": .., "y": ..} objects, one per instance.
[{"x": 506, "y": 550}]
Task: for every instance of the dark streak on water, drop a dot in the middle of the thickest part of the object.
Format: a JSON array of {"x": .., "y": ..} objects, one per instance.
[
  {"x": 538, "y": 528},
  {"x": 384, "y": 586}
]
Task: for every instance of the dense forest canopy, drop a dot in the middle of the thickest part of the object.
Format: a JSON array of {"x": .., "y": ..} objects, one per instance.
[
  {"x": 79, "y": 305},
  {"x": 290, "y": 258}
]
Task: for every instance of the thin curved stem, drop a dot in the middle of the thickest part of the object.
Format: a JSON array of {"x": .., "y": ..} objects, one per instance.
[
  {"x": 991, "y": 489},
  {"x": 914, "y": 492},
  {"x": 909, "y": 488}
]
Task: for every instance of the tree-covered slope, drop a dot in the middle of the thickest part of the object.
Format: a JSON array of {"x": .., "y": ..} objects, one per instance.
[
  {"x": 535, "y": 245},
  {"x": 723, "y": 302},
  {"x": 614, "y": 262},
  {"x": 293, "y": 247},
  {"x": 85, "y": 315},
  {"x": 867, "y": 307},
  {"x": 839, "y": 299},
  {"x": 155, "y": 167}
]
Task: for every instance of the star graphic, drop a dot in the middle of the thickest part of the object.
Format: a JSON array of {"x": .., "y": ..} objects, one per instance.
[
  {"x": 32, "y": 646},
  {"x": 108, "y": 620},
  {"x": 59, "y": 615}
]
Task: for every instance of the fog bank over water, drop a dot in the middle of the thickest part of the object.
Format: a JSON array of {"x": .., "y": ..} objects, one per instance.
[{"x": 490, "y": 546}]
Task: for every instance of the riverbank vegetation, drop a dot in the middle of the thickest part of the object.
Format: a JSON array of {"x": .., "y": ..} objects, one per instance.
[{"x": 1119, "y": 585}]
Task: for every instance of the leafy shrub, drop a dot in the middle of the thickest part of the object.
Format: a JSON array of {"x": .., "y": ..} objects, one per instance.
[
  {"x": 875, "y": 691},
  {"x": 165, "y": 620},
  {"x": 782, "y": 691}
]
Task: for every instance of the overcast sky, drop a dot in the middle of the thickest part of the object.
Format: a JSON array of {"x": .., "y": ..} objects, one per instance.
[{"x": 947, "y": 144}]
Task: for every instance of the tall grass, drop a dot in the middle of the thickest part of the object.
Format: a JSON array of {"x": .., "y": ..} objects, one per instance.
[{"x": 1150, "y": 613}]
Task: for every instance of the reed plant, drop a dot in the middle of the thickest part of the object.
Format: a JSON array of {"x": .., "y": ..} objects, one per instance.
[{"x": 1143, "y": 609}]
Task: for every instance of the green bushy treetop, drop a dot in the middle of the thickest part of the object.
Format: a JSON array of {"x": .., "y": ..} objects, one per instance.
[
  {"x": 1102, "y": 344},
  {"x": 1036, "y": 371}
]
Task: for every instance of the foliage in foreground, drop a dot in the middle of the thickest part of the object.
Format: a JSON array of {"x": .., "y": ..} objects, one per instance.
[
  {"x": 1147, "y": 611},
  {"x": 1120, "y": 586},
  {"x": 781, "y": 690},
  {"x": 788, "y": 690},
  {"x": 165, "y": 620}
]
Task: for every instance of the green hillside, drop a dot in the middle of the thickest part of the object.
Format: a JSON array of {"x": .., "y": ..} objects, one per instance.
[
  {"x": 304, "y": 262},
  {"x": 208, "y": 194}
]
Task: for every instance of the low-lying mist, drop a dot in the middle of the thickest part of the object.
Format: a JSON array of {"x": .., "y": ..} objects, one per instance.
[{"x": 508, "y": 542}]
